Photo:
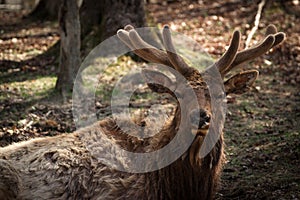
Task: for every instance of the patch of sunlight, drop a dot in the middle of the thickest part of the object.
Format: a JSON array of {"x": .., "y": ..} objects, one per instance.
[{"x": 33, "y": 88}]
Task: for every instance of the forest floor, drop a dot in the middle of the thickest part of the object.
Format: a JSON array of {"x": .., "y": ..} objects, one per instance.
[{"x": 262, "y": 126}]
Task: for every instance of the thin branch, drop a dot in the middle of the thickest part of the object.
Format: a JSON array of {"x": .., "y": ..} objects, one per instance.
[{"x": 256, "y": 22}]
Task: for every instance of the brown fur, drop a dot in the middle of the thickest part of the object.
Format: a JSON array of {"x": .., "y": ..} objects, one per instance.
[{"x": 61, "y": 167}]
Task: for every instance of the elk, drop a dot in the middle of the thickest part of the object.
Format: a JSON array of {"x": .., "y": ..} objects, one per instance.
[{"x": 62, "y": 167}]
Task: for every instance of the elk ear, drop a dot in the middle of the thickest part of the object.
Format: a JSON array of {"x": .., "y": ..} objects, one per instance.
[
  {"x": 158, "y": 82},
  {"x": 240, "y": 83}
]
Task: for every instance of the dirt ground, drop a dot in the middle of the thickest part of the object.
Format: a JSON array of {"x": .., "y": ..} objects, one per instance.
[{"x": 262, "y": 126}]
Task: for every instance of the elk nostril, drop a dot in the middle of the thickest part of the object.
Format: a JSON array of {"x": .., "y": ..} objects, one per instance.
[{"x": 199, "y": 118}]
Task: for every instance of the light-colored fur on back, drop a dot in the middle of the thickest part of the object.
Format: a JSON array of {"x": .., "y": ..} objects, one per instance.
[{"x": 62, "y": 167}]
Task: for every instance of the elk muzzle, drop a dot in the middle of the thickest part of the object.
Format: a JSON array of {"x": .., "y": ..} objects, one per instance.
[{"x": 199, "y": 120}]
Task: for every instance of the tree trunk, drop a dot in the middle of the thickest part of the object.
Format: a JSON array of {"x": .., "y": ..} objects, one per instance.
[
  {"x": 69, "y": 23},
  {"x": 117, "y": 14},
  {"x": 109, "y": 15},
  {"x": 90, "y": 15},
  {"x": 45, "y": 10}
]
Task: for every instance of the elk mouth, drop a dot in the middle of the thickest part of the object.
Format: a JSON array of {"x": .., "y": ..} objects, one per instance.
[{"x": 201, "y": 131}]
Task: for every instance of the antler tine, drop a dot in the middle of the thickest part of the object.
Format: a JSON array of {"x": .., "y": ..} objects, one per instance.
[
  {"x": 252, "y": 53},
  {"x": 271, "y": 29},
  {"x": 279, "y": 36},
  {"x": 144, "y": 50},
  {"x": 128, "y": 27},
  {"x": 176, "y": 60},
  {"x": 226, "y": 60},
  {"x": 124, "y": 37},
  {"x": 273, "y": 38},
  {"x": 152, "y": 53}
]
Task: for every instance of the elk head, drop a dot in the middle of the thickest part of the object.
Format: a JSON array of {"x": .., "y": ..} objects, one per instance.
[{"x": 239, "y": 83}]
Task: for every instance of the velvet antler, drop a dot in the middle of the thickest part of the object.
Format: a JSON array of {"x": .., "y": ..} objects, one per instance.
[{"x": 231, "y": 58}]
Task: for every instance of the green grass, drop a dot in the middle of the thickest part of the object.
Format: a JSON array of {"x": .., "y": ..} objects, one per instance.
[{"x": 28, "y": 89}]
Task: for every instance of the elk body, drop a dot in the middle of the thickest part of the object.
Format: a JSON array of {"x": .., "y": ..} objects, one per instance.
[{"x": 62, "y": 167}]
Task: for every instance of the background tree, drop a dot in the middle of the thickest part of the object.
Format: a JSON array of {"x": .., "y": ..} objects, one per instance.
[
  {"x": 110, "y": 14},
  {"x": 69, "y": 62},
  {"x": 102, "y": 18},
  {"x": 117, "y": 14},
  {"x": 45, "y": 9}
]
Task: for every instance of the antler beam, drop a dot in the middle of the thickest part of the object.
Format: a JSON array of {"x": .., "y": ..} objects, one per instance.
[
  {"x": 231, "y": 58},
  {"x": 150, "y": 53}
]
